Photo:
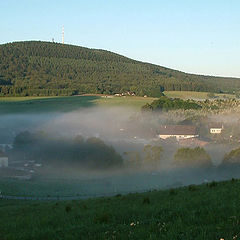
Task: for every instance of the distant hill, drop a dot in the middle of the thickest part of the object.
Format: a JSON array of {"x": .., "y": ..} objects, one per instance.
[{"x": 45, "y": 68}]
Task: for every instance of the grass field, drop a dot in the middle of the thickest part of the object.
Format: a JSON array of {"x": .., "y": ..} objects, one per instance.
[
  {"x": 20, "y": 99},
  {"x": 66, "y": 104},
  {"x": 89, "y": 184},
  {"x": 195, "y": 95},
  {"x": 209, "y": 211}
]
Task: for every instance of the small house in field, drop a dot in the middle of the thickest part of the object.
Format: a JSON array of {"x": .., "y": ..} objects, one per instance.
[
  {"x": 177, "y": 131},
  {"x": 215, "y": 128},
  {"x": 3, "y": 160}
]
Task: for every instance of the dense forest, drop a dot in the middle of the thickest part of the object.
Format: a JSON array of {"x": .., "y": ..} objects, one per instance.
[{"x": 37, "y": 68}]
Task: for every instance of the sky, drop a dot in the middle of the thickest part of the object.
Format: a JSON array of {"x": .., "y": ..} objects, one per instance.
[{"x": 194, "y": 36}]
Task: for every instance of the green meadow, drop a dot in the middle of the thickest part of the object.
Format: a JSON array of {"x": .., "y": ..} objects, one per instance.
[
  {"x": 66, "y": 104},
  {"x": 208, "y": 211}
]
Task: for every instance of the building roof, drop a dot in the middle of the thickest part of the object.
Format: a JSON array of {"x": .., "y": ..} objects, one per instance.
[
  {"x": 177, "y": 130},
  {"x": 216, "y": 125}
]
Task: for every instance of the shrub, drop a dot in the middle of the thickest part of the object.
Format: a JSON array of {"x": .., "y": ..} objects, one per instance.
[
  {"x": 102, "y": 218},
  {"x": 146, "y": 200},
  {"x": 166, "y": 104},
  {"x": 192, "y": 157},
  {"x": 232, "y": 157},
  {"x": 212, "y": 184},
  {"x": 68, "y": 208},
  {"x": 172, "y": 192},
  {"x": 192, "y": 188}
]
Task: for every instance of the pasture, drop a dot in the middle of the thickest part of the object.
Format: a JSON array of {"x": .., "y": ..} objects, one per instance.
[
  {"x": 208, "y": 211},
  {"x": 88, "y": 184},
  {"x": 66, "y": 104},
  {"x": 18, "y": 105}
]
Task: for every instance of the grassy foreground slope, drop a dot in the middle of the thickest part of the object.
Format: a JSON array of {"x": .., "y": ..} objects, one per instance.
[
  {"x": 50, "y": 69},
  {"x": 210, "y": 211}
]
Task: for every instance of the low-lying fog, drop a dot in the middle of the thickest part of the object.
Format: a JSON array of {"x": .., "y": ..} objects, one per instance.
[{"x": 143, "y": 160}]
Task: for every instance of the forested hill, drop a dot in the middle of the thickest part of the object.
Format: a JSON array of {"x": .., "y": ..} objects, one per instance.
[{"x": 44, "y": 68}]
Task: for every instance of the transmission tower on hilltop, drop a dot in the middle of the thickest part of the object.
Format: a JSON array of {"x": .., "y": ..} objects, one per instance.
[{"x": 63, "y": 35}]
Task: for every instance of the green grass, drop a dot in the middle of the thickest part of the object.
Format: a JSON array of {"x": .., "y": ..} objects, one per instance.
[
  {"x": 20, "y": 99},
  {"x": 196, "y": 212},
  {"x": 194, "y": 95},
  {"x": 134, "y": 102},
  {"x": 66, "y": 104}
]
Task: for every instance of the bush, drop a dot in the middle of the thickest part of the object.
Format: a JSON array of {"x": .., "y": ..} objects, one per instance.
[
  {"x": 68, "y": 208},
  {"x": 192, "y": 188},
  {"x": 192, "y": 157},
  {"x": 146, "y": 200},
  {"x": 165, "y": 104},
  {"x": 102, "y": 218},
  {"x": 212, "y": 184},
  {"x": 172, "y": 192},
  {"x": 232, "y": 157}
]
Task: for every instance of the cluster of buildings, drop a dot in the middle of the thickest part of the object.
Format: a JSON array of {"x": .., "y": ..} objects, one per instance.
[
  {"x": 186, "y": 135},
  {"x": 128, "y": 93}
]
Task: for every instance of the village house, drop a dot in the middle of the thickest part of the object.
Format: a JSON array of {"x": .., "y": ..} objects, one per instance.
[
  {"x": 177, "y": 131},
  {"x": 215, "y": 128},
  {"x": 3, "y": 160}
]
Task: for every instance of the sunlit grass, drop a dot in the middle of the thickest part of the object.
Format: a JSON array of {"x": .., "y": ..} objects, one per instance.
[
  {"x": 136, "y": 102},
  {"x": 66, "y": 104},
  {"x": 20, "y": 99}
]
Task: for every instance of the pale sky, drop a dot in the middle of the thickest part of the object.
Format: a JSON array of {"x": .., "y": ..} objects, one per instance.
[{"x": 196, "y": 36}]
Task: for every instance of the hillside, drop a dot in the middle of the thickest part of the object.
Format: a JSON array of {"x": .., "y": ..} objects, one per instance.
[
  {"x": 209, "y": 211},
  {"x": 43, "y": 68}
]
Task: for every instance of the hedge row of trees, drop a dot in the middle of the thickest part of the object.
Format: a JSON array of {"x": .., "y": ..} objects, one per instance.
[
  {"x": 185, "y": 157},
  {"x": 43, "y": 68},
  {"x": 165, "y": 104}
]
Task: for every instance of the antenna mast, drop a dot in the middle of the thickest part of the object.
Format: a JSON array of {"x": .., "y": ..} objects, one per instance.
[{"x": 63, "y": 35}]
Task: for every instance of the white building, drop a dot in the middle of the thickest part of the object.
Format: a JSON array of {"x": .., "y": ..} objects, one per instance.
[
  {"x": 3, "y": 160},
  {"x": 215, "y": 128},
  {"x": 177, "y": 131}
]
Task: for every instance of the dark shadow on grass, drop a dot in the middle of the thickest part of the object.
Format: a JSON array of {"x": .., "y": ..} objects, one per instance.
[{"x": 58, "y": 104}]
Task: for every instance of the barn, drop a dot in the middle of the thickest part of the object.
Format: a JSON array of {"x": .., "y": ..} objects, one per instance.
[
  {"x": 177, "y": 131},
  {"x": 215, "y": 128}
]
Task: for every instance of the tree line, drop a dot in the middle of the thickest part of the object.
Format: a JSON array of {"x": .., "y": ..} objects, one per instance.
[
  {"x": 166, "y": 104},
  {"x": 61, "y": 152}
]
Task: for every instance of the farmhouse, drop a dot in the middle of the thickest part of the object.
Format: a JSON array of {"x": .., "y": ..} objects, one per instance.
[
  {"x": 215, "y": 128},
  {"x": 3, "y": 160},
  {"x": 177, "y": 131}
]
